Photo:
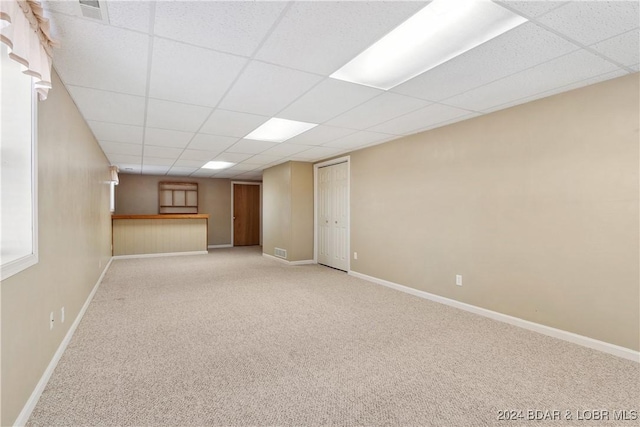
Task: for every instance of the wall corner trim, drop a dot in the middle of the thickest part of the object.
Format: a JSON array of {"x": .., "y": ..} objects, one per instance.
[
  {"x": 284, "y": 261},
  {"x": 28, "y": 408},
  {"x": 605, "y": 347}
]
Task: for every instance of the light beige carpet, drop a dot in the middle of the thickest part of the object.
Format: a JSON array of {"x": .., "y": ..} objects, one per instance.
[{"x": 233, "y": 338}]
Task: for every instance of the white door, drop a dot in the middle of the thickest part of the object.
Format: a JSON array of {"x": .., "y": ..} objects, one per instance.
[{"x": 333, "y": 204}]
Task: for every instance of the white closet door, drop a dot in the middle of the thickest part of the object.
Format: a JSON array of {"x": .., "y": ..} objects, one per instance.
[
  {"x": 333, "y": 217},
  {"x": 324, "y": 216}
]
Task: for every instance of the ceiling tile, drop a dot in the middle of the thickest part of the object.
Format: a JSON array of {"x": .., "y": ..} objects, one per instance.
[
  {"x": 126, "y": 168},
  {"x": 134, "y": 15},
  {"x": 242, "y": 167},
  {"x": 249, "y": 146},
  {"x": 117, "y": 133},
  {"x": 155, "y": 170},
  {"x": 380, "y": 109},
  {"x": 624, "y": 49},
  {"x": 635, "y": 67},
  {"x": 262, "y": 159},
  {"x": 190, "y": 163},
  {"x": 516, "y": 50},
  {"x": 162, "y": 152},
  {"x": 100, "y": 56},
  {"x": 554, "y": 74},
  {"x": 199, "y": 155},
  {"x": 174, "y": 115},
  {"x": 158, "y": 161},
  {"x": 232, "y": 123},
  {"x": 167, "y": 138},
  {"x": 232, "y": 157},
  {"x": 67, "y": 7},
  {"x": 358, "y": 140},
  {"x": 227, "y": 26},
  {"x": 189, "y": 74},
  {"x": 320, "y": 135},
  {"x": 589, "y": 22},
  {"x": 266, "y": 89},
  {"x": 415, "y": 121},
  {"x": 226, "y": 174},
  {"x": 307, "y": 36},
  {"x": 125, "y": 158},
  {"x": 317, "y": 153},
  {"x": 121, "y": 148},
  {"x": 108, "y": 106},
  {"x": 327, "y": 100},
  {"x": 211, "y": 142},
  {"x": 532, "y": 8},
  {"x": 284, "y": 149},
  {"x": 203, "y": 173},
  {"x": 581, "y": 83},
  {"x": 181, "y": 171}
]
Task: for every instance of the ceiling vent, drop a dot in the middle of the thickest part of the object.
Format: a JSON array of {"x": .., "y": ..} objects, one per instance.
[{"x": 92, "y": 9}]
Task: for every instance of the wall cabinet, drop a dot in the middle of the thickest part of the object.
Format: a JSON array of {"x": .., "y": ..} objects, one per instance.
[{"x": 178, "y": 198}]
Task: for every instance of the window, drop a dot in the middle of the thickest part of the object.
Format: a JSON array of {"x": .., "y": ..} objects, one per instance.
[{"x": 18, "y": 173}]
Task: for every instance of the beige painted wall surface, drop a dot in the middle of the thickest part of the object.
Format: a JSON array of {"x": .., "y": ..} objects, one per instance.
[
  {"x": 138, "y": 195},
  {"x": 276, "y": 208},
  {"x": 301, "y": 211},
  {"x": 74, "y": 247},
  {"x": 536, "y": 206}
]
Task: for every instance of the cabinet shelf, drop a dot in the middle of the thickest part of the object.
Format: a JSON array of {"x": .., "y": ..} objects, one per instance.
[{"x": 178, "y": 198}]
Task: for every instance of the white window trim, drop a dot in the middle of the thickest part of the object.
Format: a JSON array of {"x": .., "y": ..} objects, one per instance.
[{"x": 14, "y": 267}]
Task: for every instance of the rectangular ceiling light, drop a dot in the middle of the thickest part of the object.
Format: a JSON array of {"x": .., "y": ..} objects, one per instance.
[
  {"x": 217, "y": 165},
  {"x": 279, "y": 130},
  {"x": 436, "y": 34}
]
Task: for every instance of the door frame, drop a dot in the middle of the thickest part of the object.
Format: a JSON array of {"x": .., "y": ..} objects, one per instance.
[
  {"x": 347, "y": 160},
  {"x": 233, "y": 204}
]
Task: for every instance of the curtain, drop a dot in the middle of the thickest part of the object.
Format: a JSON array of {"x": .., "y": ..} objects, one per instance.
[{"x": 25, "y": 30}]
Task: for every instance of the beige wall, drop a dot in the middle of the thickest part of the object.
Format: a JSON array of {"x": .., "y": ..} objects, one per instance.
[
  {"x": 302, "y": 210},
  {"x": 288, "y": 210},
  {"x": 138, "y": 194},
  {"x": 276, "y": 208},
  {"x": 536, "y": 206},
  {"x": 74, "y": 247}
]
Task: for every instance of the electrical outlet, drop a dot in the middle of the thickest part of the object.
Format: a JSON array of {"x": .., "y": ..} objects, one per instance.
[
  {"x": 62, "y": 315},
  {"x": 51, "y": 321},
  {"x": 355, "y": 255},
  {"x": 459, "y": 279}
]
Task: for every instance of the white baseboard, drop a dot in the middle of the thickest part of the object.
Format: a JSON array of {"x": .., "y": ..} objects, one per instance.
[
  {"x": 616, "y": 350},
  {"x": 302, "y": 262},
  {"x": 24, "y": 415},
  {"x": 228, "y": 245},
  {"x": 160, "y": 254}
]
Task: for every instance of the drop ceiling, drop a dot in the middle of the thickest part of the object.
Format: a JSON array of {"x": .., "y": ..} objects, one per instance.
[{"x": 167, "y": 86}]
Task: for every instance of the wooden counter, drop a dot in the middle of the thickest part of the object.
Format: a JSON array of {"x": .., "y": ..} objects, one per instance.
[{"x": 169, "y": 234}]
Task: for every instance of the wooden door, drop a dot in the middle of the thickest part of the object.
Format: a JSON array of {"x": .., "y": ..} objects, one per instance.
[
  {"x": 333, "y": 201},
  {"x": 246, "y": 214}
]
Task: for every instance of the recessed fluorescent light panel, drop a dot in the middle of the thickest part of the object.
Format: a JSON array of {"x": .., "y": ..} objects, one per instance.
[
  {"x": 279, "y": 130},
  {"x": 436, "y": 34},
  {"x": 217, "y": 165}
]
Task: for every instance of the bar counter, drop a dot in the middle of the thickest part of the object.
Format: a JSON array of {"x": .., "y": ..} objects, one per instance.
[{"x": 167, "y": 234}]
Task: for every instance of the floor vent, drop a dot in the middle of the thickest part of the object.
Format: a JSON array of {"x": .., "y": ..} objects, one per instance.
[{"x": 281, "y": 253}]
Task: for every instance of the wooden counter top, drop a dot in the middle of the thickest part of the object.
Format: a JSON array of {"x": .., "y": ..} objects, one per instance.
[{"x": 163, "y": 216}]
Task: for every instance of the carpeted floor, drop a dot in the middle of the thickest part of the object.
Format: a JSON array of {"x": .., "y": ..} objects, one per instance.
[{"x": 233, "y": 338}]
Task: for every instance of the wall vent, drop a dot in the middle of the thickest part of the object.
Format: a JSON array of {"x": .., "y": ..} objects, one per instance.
[
  {"x": 92, "y": 9},
  {"x": 280, "y": 253}
]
